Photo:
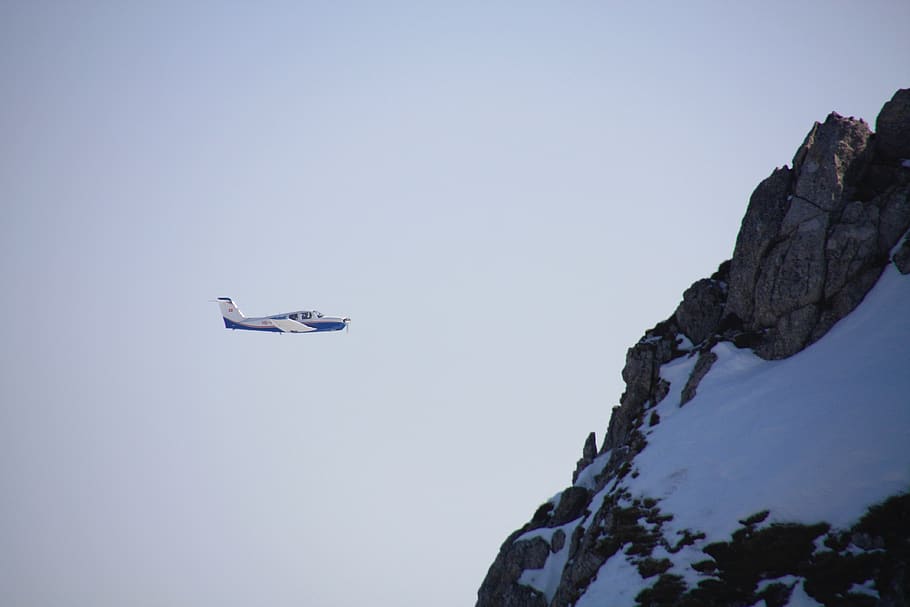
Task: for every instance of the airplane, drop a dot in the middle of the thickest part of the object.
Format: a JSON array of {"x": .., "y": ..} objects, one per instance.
[{"x": 303, "y": 321}]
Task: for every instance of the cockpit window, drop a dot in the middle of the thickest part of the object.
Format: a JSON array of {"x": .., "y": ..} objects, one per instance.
[{"x": 317, "y": 314}]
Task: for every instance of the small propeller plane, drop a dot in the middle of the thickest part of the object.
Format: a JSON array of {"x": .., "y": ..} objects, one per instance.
[{"x": 303, "y": 321}]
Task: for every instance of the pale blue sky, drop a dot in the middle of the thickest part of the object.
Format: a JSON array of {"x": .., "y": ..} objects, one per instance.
[{"x": 503, "y": 196}]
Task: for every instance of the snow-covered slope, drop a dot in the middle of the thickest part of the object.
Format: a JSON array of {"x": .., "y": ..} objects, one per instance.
[{"x": 818, "y": 437}]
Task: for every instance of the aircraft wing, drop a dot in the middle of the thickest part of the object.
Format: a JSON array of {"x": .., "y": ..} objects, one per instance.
[{"x": 291, "y": 326}]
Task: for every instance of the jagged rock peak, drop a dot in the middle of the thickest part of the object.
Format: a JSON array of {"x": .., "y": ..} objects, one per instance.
[
  {"x": 588, "y": 454},
  {"x": 816, "y": 237}
]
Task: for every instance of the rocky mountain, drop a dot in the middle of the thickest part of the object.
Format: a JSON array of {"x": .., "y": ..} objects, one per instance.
[{"x": 760, "y": 454}]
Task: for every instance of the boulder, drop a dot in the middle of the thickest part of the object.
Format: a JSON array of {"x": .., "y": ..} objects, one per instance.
[
  {"x": 572, "y": 504},
  {"x": 701, "y": 309}
]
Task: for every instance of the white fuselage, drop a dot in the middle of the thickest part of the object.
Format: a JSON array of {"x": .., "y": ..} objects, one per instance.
[{"x": 301, "y": 321}]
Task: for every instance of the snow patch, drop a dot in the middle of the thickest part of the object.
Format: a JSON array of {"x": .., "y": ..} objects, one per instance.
[
  {"x": 546, "y": 579},
  {"x": 867, "y": 588},
  {"x": 787, "y": 580}
]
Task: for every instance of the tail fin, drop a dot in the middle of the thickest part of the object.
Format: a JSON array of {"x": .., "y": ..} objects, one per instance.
[{"x": 229, "y": 311}]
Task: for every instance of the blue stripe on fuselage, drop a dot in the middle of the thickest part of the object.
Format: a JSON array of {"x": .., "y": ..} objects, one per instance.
[{"x": 230, "y": 324}]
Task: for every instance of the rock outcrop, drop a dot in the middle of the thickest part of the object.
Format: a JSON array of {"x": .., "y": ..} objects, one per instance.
[
  {"x": 814, "y": 240},
  {"x": 588, "y": 453},
  {"x": 701, "y": 309},
  {"x": 816, "y": 237}
]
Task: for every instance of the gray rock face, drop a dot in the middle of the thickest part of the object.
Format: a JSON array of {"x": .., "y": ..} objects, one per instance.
[
  {"x": 790, "y": 334},
  {"x": 759, "y": 230},
  {"x": 815, "y": 238},
  {"x": 642, "y": 377},
  {"x": 832, "y": 156},
  {"x": 790, "y": 281},
  {"x": 892, "y": 128},
  {"x": 850, "y": 243}
]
